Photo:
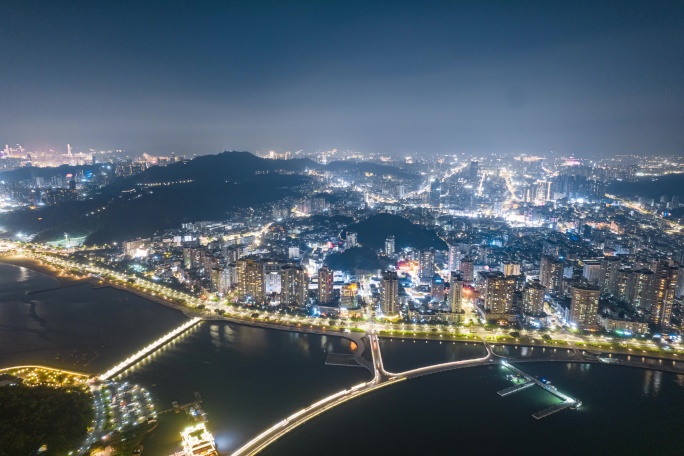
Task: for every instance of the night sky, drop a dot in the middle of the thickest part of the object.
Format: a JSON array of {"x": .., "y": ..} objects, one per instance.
[{"x": 594, "y": 78}]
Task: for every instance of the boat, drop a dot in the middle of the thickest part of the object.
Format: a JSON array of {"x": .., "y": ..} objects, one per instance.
[
  {"x": 152, "y": 423},
  {"x": 138, "y": 450}
]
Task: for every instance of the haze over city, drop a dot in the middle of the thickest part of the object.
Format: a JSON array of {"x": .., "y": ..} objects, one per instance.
[
  {"x": 256, "y": 228},
  {"x": 585, "y": 78}
]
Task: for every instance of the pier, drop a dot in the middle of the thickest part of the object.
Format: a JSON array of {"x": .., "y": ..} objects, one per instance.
[
  {"x": 515, "y": 388},
  {"x": 551, "y": 410},
  {"x": 529, "y": 381}
]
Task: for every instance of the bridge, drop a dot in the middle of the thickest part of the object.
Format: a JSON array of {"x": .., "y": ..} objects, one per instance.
[
  {"x": 381, "y": 378},
  {"x": 149, "y": 349}
]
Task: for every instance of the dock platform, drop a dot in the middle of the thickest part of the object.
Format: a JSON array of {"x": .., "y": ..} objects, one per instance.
[
  {"x": 551, "y": 410},
  {"x": 529, "y": 381},
  {"x": 515, "y": 388}
]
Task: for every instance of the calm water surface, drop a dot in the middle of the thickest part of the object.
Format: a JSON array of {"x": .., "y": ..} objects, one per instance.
[
  {"x": 400, "y": 355},
  {"x": 77, "y": 327},
  {"x": 625, "y": 411},
  {"x": 250, "y": 378}
]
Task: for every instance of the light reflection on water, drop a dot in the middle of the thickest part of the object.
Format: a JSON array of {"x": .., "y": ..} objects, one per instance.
[{"x": 652, "y": 383}]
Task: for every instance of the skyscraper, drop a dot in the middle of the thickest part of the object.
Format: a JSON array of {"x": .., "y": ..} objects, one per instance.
[
  {"x": 389, "y": 245},
  {"x": 473, "y": 171},
  {"x": 642, "y": 289},
  {"x": 454, "y": 258},
  {"x": 468, "y": 270},
  {"x": 608, "y": 278},
  {"x": 623, "y": 286},
  {"x": 250, "y": 275},
  {"x": 349, "y": 295},
  {"x": 325, "y": 285},
  {"x": 390, "y": 293},
  {"x": 456, "y": 292},
  {"x": 533, "y": 298},
  {"x": 426, "y": 265},
  {"x": 293, "y": 285},
  {"x": 592, "y": 271},
  {"x": 498, "y": 292},
  {"x": 666, "y": 277},
  {"x": 584, "y": 305},
  {"x": 551, "y": 273}
]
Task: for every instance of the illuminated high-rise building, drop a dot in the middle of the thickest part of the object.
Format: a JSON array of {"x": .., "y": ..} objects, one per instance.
[
  {"x": 551, "y": 273},
  {"x": 426, "y": 265},
  {"x": 665, "y": 286},
  {"x": 389, "y": 245},
  {"x": 454, "y": 258},
  {"x": 642, "y": 288},
  {"x": 456, "y": 292},
  {"x": 468, "y": 269},
  {"x": 293, "y": 285},
  {"x": 250, "y": 278},
  {"x": 349, "y": 295},
  {"x": 608, "y": 278},
  {"x": 584, "y": 305},
  {"x": 272, "y": 277},
  {"x": 591, "y": 271},
  {"x": 623, "y": 285},
  {"x": 498, "y": 292},
  {"x": 390, "y": 293},
  {"x": 533, "y": 298},
  {"x": 325, "y": 285}
]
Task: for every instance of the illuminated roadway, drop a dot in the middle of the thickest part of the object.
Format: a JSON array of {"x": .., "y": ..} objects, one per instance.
[
  {"x": 380, "y": 379},
  {"x": 149, "y": 349}
]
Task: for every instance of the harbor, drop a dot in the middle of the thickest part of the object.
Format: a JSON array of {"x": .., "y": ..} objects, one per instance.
[{"x": 524, "y": 381}]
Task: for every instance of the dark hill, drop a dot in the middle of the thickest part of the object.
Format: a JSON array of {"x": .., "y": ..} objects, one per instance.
[
  {"x": 220, "y": 184},
  {"x": 373, "y": 231},
  {"x": 358, "y": 259},
  {"x": 365, "y": 167},
  {"x": 232, "y": 166}
]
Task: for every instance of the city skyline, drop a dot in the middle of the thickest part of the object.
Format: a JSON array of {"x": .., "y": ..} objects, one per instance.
[
  {"x": 584, "y": 79},
  {"x": 256, "y": 228}
]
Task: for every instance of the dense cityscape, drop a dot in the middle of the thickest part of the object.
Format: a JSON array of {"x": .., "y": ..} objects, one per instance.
[
  {"x": 521, "y": 241},
  {"x": 522, "y": 249},
  {"x": 244, "y": 228}
]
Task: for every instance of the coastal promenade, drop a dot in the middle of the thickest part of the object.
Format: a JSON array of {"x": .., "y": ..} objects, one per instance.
[
  {"x": 365, "y": 335},
  {"x": 639, "y": 353}
]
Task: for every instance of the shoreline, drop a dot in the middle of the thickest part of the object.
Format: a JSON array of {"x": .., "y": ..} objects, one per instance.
[
  {"x": 66, "y": 281},
  {"x": 35, "y": 266},
  {"x": 69, "y": 281}
]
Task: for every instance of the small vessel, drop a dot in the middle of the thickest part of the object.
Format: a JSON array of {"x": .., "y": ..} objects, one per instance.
[
  {"x": 138, "y": 450},
  {"x": 152, "y": 423}
]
